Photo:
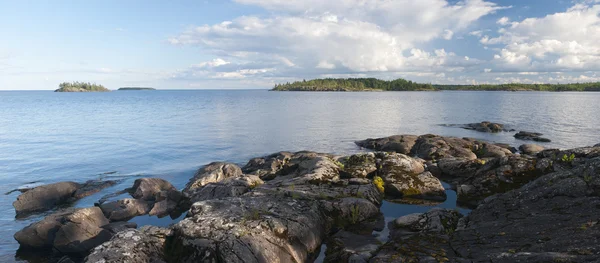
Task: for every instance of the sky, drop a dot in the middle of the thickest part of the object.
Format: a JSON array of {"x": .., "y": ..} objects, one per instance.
[{"x": 254, "y": 44}]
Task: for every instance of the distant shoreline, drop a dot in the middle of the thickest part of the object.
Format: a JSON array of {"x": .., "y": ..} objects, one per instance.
[
  {"x": 136, "y": 88},
  {"x": 372, "y": 84}
]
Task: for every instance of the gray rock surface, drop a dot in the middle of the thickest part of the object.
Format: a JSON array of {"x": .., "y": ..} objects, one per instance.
[
  {"x": 359, "y": 165},
  {"x": 229, "y": 187},
  {"x": 531, "y": 136},
  {"x": 212, "y": 173},
  {"x": 485, "y": 126},
  {"x": 405, "y": 177},
  {"x": 437, "y": 147},
  {"x": 269, "y": 166},
  {"x": 125, "y": 209},
  {"x": 133, "y": 246},
  {"x": 350, "y": 247},
  {"x": 531, "y": 149},
  {"x": 398, "y": 143},
  {"x": 70, "y": 231},
  {"x": 45, "y": 197}
]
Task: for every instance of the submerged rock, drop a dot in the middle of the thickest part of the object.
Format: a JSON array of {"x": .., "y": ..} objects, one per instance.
[
  {"x": 398, "y": 143},
  {"x": 531, "y": 136}
]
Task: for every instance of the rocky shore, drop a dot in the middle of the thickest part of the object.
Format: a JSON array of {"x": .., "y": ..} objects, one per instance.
[{"x": 536, "y": 205}]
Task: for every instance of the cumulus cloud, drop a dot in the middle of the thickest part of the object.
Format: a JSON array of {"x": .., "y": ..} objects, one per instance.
[
  {"x": 565, "y": 41},
  {"x": 342, "y": 37}
]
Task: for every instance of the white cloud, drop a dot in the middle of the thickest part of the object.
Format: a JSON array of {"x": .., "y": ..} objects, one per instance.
[
  {"x": 503, "y": 21},
  {"x": 346, "y": 36},
  {"x": 565, "y": 41}
]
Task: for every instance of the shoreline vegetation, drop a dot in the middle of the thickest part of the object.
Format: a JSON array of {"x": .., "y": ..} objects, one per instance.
[
  {"x": 136, "y": 88},
  {"x": 373, "y": 84},
  {"x": 80, "y": 87}
]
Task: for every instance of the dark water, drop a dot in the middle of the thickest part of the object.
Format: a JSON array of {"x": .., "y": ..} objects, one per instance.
[{"x": 48, "y": 137}]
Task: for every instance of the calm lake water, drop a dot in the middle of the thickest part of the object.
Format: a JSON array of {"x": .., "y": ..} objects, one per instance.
[{"x": 48, "y": 137}]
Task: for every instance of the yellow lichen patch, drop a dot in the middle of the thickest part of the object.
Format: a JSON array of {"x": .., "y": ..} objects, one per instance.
[{"x": 378, "y": 182}]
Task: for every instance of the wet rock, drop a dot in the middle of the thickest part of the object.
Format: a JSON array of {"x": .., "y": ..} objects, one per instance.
[
  {"x": 269, "y": 166},
  {"x": 70, "y": 231},
  {"x": 125, "y": 209},
  {"x": 350, "y": 247},
  {"x": 433, "y": 147},
  {"x": 349, "y": 211},
  {"x": 153, "y": 190},
  {"x": 500, "y": 175},
  {"x": 397, "y": 143},
  {"x": 421, "y": 238},
  {"x": 530, "y": 149},
  {"x": 405, "y": 177},
  {"x": 359, "y": 165},
  {"x": 134, "y": 246},
  {"x": 531, "y": 136},
  {"x": 260, "y": 227},
  {"x": 485, "y": 126},
  {"x": 45, "y": 197},
  {"x": 552, "y": 219},
  {"x": 117, "y": 227},
  {"x": 435, "y": 220},
  {"x": 229, "y": 187},
  {"x": 455, "y": 170},
  {"x": 91, "y": 187}
]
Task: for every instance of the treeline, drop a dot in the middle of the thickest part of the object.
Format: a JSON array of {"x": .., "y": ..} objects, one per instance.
[
  {"x": 80, "y": 87},
  {"x": 353, "y": 84},
  {"x": 372, "y": 84}
]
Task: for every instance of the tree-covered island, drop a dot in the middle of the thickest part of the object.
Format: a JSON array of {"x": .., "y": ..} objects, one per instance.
[
  {"x": 373, "y": 84},
  {"x": 80, "y": 87}
]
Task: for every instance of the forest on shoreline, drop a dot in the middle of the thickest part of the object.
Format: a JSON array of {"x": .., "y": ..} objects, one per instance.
[{"x": 373, "y": 84}]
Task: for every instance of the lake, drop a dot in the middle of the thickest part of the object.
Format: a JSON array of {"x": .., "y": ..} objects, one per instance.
[{"x": 48, "y": 137}]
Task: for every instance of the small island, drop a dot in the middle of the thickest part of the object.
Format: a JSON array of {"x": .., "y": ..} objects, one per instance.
[
  {"x": 136, "y": 88},
  {"x": 373, "y": 84},
  {"x": 80, "y": 87}
]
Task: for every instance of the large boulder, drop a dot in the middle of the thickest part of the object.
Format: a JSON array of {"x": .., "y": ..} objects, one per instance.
[
  {"x": 45, "y": 197},
  {"x": 133, "y": 246},
  {"x": 70, "y": 231},
  {"x": 257, "y": 227},
  {"x": 346, "y": 246},
  {"x": 154, "y": 190},
  {"x": 485, "y": 126},
  {"x": 125, "y": 209},
  {"x": 423, "y": 237},
  {"x": 398, "y": 143},
  {"x": 488, "y": 150},
  {"x": 531, "y": 136},
  {"x": 531, "y": 149},
  {"x": 359, "y": 165},
  {"x": 434, "y": 147},
  {"x": 551, "y": 219},
  {"x": 211, "y": 173},
  {"x": 269, "y": 166},
  {"x": 405, "y": 177},
  {"x": 229, "y": 187},
  {"x": 500, "y": 175}
]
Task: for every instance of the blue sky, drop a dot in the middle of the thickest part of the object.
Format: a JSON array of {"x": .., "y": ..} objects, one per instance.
[{"x": 257, "y": 43}]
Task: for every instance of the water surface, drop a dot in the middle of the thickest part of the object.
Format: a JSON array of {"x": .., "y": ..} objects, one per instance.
[{"x": 47, "y": 137}]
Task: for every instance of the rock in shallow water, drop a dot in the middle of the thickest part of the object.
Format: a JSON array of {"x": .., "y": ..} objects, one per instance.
[
  {"x": 398, "y": 143},
  {"x": 530, "y": 149},
  {"x": 47, "y": 197},
  {"x": 405, "y": 177},
  {"x": 531, "y": 136},
  {"x": 70, "y": 231}
]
